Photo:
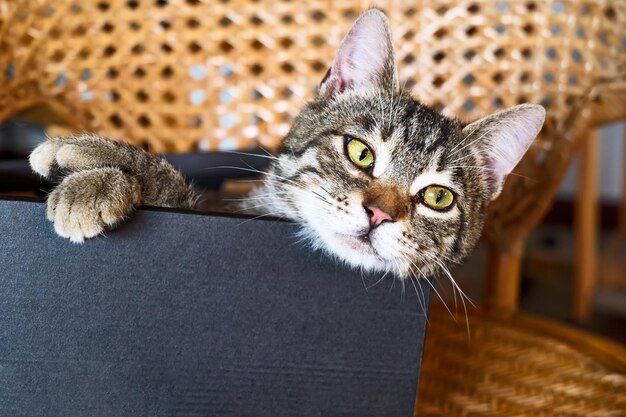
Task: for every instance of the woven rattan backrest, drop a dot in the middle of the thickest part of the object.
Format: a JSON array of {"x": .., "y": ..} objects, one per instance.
[{"x": 181, "y": 75}]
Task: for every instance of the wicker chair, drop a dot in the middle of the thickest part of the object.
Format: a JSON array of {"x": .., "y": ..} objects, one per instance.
[{"x": 187, "y": 75}]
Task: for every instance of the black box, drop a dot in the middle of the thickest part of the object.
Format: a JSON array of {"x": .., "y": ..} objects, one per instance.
[{"x": 185, "y": 314}]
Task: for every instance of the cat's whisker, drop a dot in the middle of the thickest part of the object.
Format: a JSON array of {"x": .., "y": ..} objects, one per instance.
[
  {"x": 252, "y": 180},
  {"x": 265, "y": 150},
  {"x": 448, "y": 274},
  {"x": 461, "y": 292},
  {"x": 261, "y": 216},
  {"x": 481, "y": 168},
  {"x": 398, "y": 269},
  {"x": 454, "y": 152},
  {"x": 456, "y": 305},
  {"x": 455, "y": 148},
  {"x": 306, "y": 174},
  {"x": 323, "y": 199},
  {"x": 406, "y": 258},
  {"x": 433, "y": 287},
  {"x": 315, "y": 194},
  {"x": 422, "y": 291},
  {"x": 250, "y": 169},
  {"x": 424, "y": 257},
  {"x": 318, "y": 185},
  {"x": 269, "y": 156},
  {"x": 363, "y": 280},
  {"x": 421, "y": 253},
  {"x": 423, "y": 299},
  {"x": 376, "y": 283},
  {"x": 384, "y": 275},
  {"x": 293, "y": 182},
  {"x": 274, "y": 175},
  {"x": 452, "y": 280},
  {"x": 464, "y": 157},
  {"x": 424, "y": 309},
  {"x": 318, "y": 195},
  {"x": 256, "y": 171},
  {"x": 477, "y": 152},
  {"x": 287, "y": 181},
  {"x": 322, "y": 187},
  {"x": 244, "y": 199},
  {"x": 251, "y": 207},
  {"x": 257, "y": 196},
  {"x": 401, "y": 280},
  {"x": 393, "y": 283}
]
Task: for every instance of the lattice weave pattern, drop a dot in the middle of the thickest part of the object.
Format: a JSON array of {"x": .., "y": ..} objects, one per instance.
[
  {"x": 181, "y": 75},
  {"x": 507, "y": 370},
  {"x": 187, "y": 74}
]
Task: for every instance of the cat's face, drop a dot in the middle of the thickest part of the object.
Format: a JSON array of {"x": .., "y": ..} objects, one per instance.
[{"x": 382, "y": 182}]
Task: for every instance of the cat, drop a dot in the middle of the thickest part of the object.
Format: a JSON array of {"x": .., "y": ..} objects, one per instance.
[{"x": 376, "y": 179}]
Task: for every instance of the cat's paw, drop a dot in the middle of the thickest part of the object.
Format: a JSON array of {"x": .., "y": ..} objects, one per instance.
[
  {"x": 86, "y": 203},
  {"x": 43, "y": 158},
  {"x": 77, "y": 153}
]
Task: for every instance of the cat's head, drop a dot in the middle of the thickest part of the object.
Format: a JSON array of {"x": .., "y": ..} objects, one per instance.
[{"x": 381, "y": 181}]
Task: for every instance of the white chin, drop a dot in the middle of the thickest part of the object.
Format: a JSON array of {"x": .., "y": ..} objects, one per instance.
[
  {"x": 357, "y": 252},
  {"x": 361, "y": 245},
  {"x": 354, "y": 250}
]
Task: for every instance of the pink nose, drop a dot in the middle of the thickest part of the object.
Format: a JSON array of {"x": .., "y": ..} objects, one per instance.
[{"x": 377, "y": 216}]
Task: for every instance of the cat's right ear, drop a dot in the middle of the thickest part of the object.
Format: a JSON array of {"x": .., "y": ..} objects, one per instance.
[{"x": 365, "y": 59}]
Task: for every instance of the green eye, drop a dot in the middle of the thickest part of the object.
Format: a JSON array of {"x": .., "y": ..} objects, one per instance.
[
  {"x": 359, "y": 153},
  {"x": 437, "y": 197}
]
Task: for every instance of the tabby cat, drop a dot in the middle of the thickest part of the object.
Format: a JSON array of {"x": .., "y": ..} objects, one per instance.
[{"x": 374, "y": 178}]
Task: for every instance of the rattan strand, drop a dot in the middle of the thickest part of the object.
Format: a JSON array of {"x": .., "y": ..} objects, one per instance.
[{"x": 518, "y": 367}]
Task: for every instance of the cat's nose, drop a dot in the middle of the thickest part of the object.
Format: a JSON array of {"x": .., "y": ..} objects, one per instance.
[{"x": 377, "y": 216}]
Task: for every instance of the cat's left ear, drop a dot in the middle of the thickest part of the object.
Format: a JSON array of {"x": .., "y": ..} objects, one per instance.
[
  {"x": 365, "y": 59},
  {"x": 504, "y": 138}
]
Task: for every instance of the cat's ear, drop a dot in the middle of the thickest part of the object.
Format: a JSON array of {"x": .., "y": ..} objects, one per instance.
[
  {"x": 365, "y": 59},
  {"x": 503, "y": 138}
]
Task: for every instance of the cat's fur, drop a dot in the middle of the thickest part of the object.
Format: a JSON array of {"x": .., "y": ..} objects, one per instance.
[{"x": 313, "y": 182}]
